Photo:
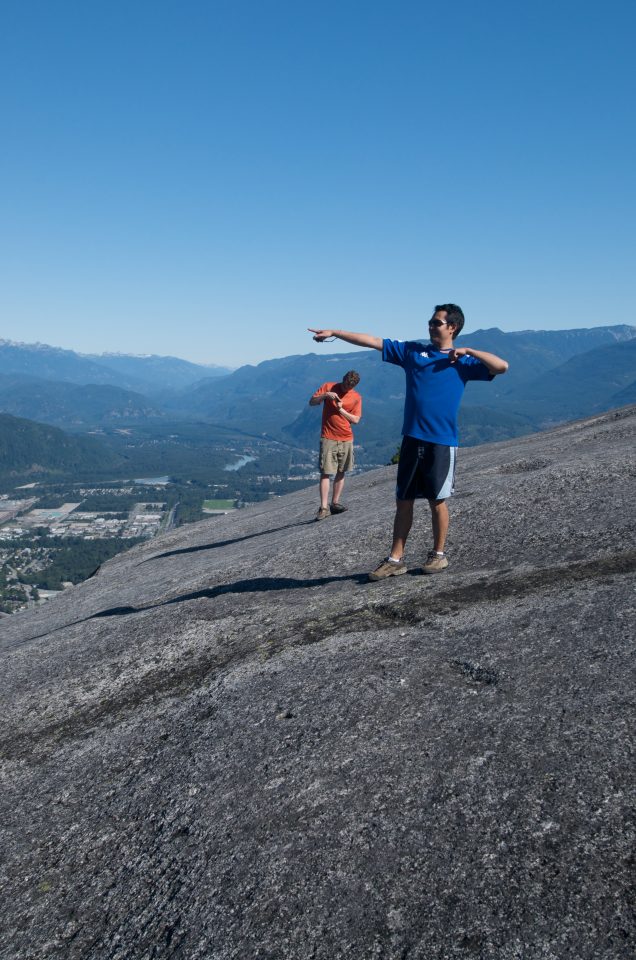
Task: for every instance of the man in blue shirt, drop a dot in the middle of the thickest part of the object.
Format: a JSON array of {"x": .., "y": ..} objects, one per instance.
[{"x": 436, "y": 374}]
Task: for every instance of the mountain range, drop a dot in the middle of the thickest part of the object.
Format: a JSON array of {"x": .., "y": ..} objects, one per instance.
[{"x": 554, "y": 376}]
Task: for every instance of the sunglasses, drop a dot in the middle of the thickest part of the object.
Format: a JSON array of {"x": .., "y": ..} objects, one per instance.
[{"x": 437, "y": 323}]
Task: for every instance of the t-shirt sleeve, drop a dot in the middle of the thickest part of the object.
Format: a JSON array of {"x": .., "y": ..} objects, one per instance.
[
  {"x": 323, "y": 389},
  {"x": 473, "y": 369},
  {"x": 394, "y": 351},
  {"x": 356, "y": 407}
]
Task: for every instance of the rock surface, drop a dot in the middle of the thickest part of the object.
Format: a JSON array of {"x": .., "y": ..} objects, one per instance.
[{"x": 228, "y": 744}]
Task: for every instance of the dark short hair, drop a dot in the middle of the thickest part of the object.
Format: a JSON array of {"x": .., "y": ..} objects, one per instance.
[
  {"x": 454, "y": 315},
  {"x": 352, "y": 377}
]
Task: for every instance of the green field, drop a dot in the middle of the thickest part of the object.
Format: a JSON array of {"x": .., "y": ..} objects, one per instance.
[{"x": 218, "y": 504}]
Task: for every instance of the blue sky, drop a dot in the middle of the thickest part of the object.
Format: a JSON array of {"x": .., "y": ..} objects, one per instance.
[{"x": 208, "y": 179}]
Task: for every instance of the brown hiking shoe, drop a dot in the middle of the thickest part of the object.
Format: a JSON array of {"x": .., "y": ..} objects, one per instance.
[
  {"x": 337, "y": 508},
  {"x": 388, "y": 569},
  {"x": 323, "y": 513},
  {"x": 435, "y": 563}
]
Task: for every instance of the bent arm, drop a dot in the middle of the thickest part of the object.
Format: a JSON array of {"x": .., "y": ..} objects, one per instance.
[
  {"x": 494, "y": 363},
  {"x": 357, "y": 339},
  {"x": 348, "y": 416}
]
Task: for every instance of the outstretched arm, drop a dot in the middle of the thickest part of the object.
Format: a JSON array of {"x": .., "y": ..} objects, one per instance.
[
  {"x": 494, "y": 363},
  {"x": 357, "y": 339}
]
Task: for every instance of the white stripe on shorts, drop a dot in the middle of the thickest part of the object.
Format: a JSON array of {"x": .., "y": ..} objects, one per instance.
[{"x": 449, "y": 482}]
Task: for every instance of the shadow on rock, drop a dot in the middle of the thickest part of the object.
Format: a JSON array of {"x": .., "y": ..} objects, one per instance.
[{"x": 226, "y": 543}]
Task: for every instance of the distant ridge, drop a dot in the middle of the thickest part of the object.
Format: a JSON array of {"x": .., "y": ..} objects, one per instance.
[
  {"x": 145, "y": 374},
  {"x": 155, "y": 370}
]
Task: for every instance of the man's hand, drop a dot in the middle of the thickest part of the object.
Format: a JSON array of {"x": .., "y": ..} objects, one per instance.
[
  {"x": 321, "y": 397},
  {"x": 458, "y": 352},
  {"x": 357, "y": 339},
  {"x": 320, "y": 335}
]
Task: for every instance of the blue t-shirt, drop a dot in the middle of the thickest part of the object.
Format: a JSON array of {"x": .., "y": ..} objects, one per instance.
[{"x": 434, "y": 388}]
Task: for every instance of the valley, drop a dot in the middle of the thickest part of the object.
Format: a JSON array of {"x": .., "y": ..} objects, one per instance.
[{"x": 55, "y": 532}]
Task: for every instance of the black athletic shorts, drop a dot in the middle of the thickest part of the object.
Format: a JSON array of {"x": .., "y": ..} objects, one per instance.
[{"x": 425, "y": 471}]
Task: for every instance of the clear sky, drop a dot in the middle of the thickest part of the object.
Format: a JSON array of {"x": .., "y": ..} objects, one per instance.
[{"x": 208, "y": 178}]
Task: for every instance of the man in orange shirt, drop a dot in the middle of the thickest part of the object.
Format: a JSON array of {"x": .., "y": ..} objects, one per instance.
[{"x": 342, "y": 407}]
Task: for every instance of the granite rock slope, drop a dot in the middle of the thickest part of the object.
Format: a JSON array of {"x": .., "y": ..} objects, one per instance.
[{"x": 228, "y": 744}]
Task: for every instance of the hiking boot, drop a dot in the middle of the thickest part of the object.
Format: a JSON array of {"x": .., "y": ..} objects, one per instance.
[
  {"x": 388, "y": 569},
  {"x": 323, "y": 513},
  {"x": 337, "y": 508},
  {"x": 435, "y": 563}
]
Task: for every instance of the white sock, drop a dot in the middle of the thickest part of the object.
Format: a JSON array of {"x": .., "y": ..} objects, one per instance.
[{"x": 393, "y": 560}]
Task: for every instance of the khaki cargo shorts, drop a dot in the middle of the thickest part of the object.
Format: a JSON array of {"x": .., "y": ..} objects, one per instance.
[{"x": 336, "y": 456}]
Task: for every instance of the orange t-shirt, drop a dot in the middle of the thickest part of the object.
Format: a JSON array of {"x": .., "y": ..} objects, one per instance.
[{"x": 334, "y": 426}]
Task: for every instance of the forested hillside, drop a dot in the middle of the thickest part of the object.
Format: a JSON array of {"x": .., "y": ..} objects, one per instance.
[{"x": 30, "y": 449}]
